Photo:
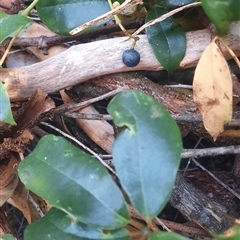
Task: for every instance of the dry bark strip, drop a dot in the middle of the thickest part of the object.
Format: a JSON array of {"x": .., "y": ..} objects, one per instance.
[
  {"x": 200, "y": 209},
  {"x": 86, "y": 61}
]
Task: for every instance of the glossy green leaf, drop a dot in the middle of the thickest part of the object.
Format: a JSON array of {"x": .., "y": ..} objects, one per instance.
[
  {"x": 233, "y": 234},
  {"x": 11, "y": 24},
  {"x": 74, "y": 182},
  {"x": 222, "y": 13},
  {"x": 146, "y": 154},
  {"x": 60, "y": 226},
  {"x": 7, "y": 237},
  {"x": 166, "y": 236},
  {"x": 167, "y": 40},
  {"x": 5, "y": 107},
  {"x": 62, "y": 16},
  {"x": 168, "y": 4}
]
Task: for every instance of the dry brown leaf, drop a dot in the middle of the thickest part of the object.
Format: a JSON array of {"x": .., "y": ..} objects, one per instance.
[
  {"x": 38, "y": 104},
  {"x": 8, "y": 178},
  {"x": 15, "y": 144},
  {"x": 212, "y": 90},
  {"x": 20, "y": 200}
]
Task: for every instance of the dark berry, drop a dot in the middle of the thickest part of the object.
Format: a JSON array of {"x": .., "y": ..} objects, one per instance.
[{"x": 131, "y": 57}]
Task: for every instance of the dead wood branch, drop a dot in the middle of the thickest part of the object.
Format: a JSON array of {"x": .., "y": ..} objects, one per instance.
[{"x": 86, "y": 61}]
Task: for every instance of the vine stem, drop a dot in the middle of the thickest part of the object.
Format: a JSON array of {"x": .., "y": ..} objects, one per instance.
[
  {"x": 10, "y": 45},
  {"x": 119, "y": 23},
  {"x": 26, "y": 11},
  {"x": 136, "y": 224},
  {"x": 164, "y": 16},
  {"x": 233, "y": 55}
]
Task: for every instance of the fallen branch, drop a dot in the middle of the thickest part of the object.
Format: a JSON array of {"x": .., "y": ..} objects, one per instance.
[
  {"x": 86, "y": 61},
  {"x": 215, "y": 151}
]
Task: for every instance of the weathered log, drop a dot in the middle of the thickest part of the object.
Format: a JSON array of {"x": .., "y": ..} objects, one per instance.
[
  {"x": 86, "y": 61},
  {"x": 198, "y": 208}
]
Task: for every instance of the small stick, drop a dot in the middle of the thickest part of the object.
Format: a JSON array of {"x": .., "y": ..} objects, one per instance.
[
  {"x": 88, "y": 116},
  {"x": 10, "y": 45},
  {"x": 230, "y": 52},
  {"x": 41, "y": 214},
  {"x": 198, "y": 153},
  {"x": 84, "y": 104},
  {"x": 215, "y": 151},
  {"x": 80, "y": 144},
  {"x": 163, "y": 17}
]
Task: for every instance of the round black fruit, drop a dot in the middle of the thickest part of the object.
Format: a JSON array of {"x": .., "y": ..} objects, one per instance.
[{"x": 131, "y": 57}]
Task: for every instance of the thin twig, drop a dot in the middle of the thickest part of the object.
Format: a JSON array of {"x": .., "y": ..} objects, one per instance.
[
  {"x": 45, "y": 41},
  {"x": 10, "y": 45},
  {"x": 176, "y": 117},
  {"x": 80, "y": 144},
  {"x": 163, "y": 17},
  {"x": 198, "y": 153},
  {"x": 161, "y": 223},
  {"x": 78, "y": 106},
  {"x": 215, "y": 151},
  {"x": 41, "y": 214},
  {"x": 88, "y": 116},
  {"x": 179, "y": 86},
  {"x": 233, "y": 55},
  {"x": 190, "y": 159}
]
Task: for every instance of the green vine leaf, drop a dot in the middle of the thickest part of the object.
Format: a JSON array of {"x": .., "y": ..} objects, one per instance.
[
  {"x": 58, "y": 225},
  {"x": 7, "y": 237},
  {"x": 147, "y": 154},
  {"x": 62, "y": 16},
  {"x": 10, "y": 24},
  {"x": 74, "y": 182},
  {"x": 5, "y": 107},
  {"x": 169, "y": 4},
  {"x": 167, "y": 40},
  {"x": 222, "y": 13}
]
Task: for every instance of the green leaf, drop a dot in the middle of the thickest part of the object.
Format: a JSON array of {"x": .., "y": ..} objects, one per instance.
[
  {"x": 222, "y": 13},
  {"x": 58, "y": 225},
  {"x": 62, "y": 16},
  {"x": 5, "y": 107},
  {"x": 169, "y": 4},
  {"x": 166, "y": 236},
  {"x": 232, "y": 234},
  {"x": 10, "y": 24},
  {"x": 167, "y": 40},
  {"x": 7, "y": 237},
  {"x": 74, "y": 182},
  {"x": 147, "y": 154}
]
